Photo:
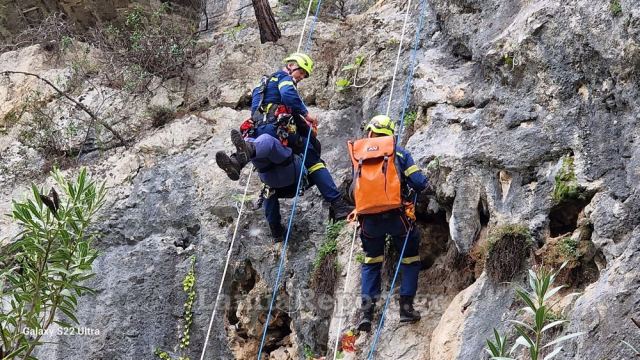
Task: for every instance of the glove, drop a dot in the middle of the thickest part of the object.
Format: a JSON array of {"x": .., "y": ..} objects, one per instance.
[{"x": 246, "y": 127}]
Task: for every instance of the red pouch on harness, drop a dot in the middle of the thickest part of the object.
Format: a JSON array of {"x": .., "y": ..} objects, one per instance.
[{"x": 246, "y": 126}]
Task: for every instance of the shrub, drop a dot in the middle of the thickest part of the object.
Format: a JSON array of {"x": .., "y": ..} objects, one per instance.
[
  {"x": 45, "y": 267},
  {"x": 569, "y": 248},
  {"x": 615, "y": 7},
  {"x": 160, "y": 115},
  {"x": 534, "y": 329},
  {"x": 143, "y": 43},
  {"x": 325, "y": 265},
  {"x": 39, "y": 130},
  {"x": 508, "y": 248},
  {"x": 410, "y": 118}
]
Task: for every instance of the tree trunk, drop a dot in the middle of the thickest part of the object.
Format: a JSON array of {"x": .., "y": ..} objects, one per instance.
[{"x": 266, "y": 22}]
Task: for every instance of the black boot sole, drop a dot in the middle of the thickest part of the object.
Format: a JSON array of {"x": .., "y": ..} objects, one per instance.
[
  {"x": 224, "y": 162},
  {"x": 409, "y": 320},
  {"x": 364, "y": 326},
  {"x": 241, "y": 146}
]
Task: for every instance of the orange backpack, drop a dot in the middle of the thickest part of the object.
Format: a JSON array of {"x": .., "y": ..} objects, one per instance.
[{"x": 376, "y": 183}]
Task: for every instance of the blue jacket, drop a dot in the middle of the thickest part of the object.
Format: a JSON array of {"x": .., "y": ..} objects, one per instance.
[
  {"x": 281, "y": 89},
  {"x": 281, "y": 165},
  {"x": 410, "y": 172}
]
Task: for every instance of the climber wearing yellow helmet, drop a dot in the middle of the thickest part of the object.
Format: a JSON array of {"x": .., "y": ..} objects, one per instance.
[
  {"x": 279, "y": 112},
  {"x": 384, "y": 177}
]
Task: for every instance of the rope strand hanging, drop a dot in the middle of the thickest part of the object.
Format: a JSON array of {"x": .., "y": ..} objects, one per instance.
[
  {"x": 244, "y": 196},
  {"x": 404, "y": 105},
  {"x": 226, "y": 265},
  {"x": 293, "y": 206}
]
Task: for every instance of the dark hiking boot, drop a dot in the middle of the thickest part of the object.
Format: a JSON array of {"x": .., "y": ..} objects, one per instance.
[
  {"x": 229, "y": 164},
  {"x": 277, "y": 232},
  {"x": 407, "y": 312},
  {"x": 367, "y": 319},
  {"x": 339, "y": 209},
  {"x": 245, "y": 150}
]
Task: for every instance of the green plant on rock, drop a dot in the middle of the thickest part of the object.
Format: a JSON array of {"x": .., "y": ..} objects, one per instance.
[
  {"x": 351, "y": 71},
  {"x": 569, "y": 248},
  {"x": 325, "y": 265},
  {"x": 566, "y": 183},
  {"x": 189, "y": 287},
  {"x": 308, "y": 352},
  {"x": 410, "y": 118},
  {"x": 434, "y": 164},
  {"x": 534, "y": 329},
  {"x": 44, "y": 268},
  {"x": 615, "y": 7},
  {"x": 233, "y": 31}
]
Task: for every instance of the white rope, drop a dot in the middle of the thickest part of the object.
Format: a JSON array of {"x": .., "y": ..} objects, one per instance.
[
  {"x": 226, "y": 266},
  {"x": 344, "y": 291},
  {"x": 304, "y": 25},
  {"x": 395, "y": 69}
]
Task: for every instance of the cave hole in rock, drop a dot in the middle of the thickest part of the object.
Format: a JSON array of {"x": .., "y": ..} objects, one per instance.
[
  {"x": 434, "y": 231},
  {"x": 278, "y": 331},
  {"x": 244, "y": 279},
  {"x": 563, "y": 217},
  {"x": 244, "y": 103},
  {"x": 569, "y": 241}
]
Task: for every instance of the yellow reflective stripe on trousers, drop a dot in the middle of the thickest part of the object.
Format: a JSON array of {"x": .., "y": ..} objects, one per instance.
[
  {"x": 374, "y": 260},
  {"x": 316, "y": 167},
  {"x": 398, "y": 153},
  {"x": 411, "y": 170},
  {"x": 285, "y": 83},
  {"x": 411, "y": 259}
]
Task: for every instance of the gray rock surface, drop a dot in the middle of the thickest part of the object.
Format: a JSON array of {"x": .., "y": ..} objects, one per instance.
[{"x": 504, "y": 91}]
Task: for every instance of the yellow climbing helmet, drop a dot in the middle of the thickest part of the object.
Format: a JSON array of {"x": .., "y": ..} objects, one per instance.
[
  {"x": 381, "y": 124},
  {"x": 303, "y": 61}
]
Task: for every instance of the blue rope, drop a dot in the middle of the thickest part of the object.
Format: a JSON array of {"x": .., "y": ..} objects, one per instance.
[
  {"x": 284, "y": 247},
  {"x": 307, "y": 45},
  {"x": 407, "y": 91},
  {"x": 393, "y": 283},
  {"x": 293, "y": 209},
  {"x": 405, "y": 104}
]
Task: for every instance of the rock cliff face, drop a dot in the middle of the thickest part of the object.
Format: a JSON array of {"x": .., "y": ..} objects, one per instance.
[{"x": 508, "y": 97}]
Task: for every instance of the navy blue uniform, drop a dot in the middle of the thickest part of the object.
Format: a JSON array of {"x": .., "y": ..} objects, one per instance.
[
  {"x": 376, "y": 227},
  {"x": 281, "y": 89}
]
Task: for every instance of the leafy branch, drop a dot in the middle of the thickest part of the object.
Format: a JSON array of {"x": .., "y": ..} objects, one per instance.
[
  {"x": 352, "y": 70},
  {"x": 539, "y": 322},
  {"x": 48, "y": 261}
]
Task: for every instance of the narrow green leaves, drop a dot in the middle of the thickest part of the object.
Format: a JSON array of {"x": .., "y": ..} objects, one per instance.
[{"x": 48, "y": 261}]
